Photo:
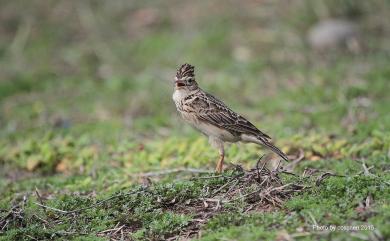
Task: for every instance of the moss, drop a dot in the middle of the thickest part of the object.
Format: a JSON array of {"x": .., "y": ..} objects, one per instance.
[{"x": 247, "y": 232}]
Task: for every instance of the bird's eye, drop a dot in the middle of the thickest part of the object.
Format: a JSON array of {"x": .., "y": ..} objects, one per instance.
[{"x": 189, "y": 81}]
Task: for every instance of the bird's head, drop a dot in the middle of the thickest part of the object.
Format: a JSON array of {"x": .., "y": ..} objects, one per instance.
[{"x": 185, "y": 78}]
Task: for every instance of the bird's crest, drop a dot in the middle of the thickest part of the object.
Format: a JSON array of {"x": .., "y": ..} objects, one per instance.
[{"x": 186, "y": 71}]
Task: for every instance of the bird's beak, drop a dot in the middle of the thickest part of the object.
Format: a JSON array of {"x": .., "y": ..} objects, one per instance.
[{"x": 179, "y": 83}]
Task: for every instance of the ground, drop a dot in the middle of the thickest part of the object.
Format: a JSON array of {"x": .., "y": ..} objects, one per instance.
[{"x": 91, "y": 147}]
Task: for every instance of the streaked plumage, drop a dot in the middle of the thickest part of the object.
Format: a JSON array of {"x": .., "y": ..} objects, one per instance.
[{"x": 212, "y": 117}]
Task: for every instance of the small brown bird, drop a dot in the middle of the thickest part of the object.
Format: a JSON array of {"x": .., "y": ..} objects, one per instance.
[{"x": 213, "y": 118}]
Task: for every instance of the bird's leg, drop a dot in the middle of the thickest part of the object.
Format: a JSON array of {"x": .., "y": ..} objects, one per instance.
[
  {"x": 219, "y": 167},
  {"x": 218, "y": 143}
]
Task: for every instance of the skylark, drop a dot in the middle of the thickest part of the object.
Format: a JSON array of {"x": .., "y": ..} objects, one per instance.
[{"x": 213, "y": 118}]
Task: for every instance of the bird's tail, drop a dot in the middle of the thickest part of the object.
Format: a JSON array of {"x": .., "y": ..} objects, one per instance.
[{"x": 273, "y": 148}]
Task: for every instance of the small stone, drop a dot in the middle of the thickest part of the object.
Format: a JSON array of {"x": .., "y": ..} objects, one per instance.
[{"x": 333, "y": 33}]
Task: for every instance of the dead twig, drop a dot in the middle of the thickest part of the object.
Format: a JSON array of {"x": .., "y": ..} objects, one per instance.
[
  {"x": 367, "y": 169},
  {"x": 207, "y": 177},
  {"x": 40, "y": 199},
  {"x": 323, "y": 176},
  {"x": 51, "y": 208},
  {"x": 88, "y": 207},
  {"x": 172, "y": 171}
]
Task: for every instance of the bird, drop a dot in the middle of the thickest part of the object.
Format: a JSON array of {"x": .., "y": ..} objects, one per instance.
[{"x": 214, "y": 118}]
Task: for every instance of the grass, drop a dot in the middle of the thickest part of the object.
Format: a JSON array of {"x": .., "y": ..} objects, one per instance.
[{"x": 85, "y": 106}]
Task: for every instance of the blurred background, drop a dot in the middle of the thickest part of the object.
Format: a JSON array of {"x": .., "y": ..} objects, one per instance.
[{"x": 89, "y": 83}]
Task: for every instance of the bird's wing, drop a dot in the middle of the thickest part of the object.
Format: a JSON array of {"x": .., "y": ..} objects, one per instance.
[{"x": 215, "y": 112}]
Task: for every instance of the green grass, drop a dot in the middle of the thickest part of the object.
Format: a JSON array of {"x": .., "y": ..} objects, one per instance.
[{"x": 85, "y": 106}]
